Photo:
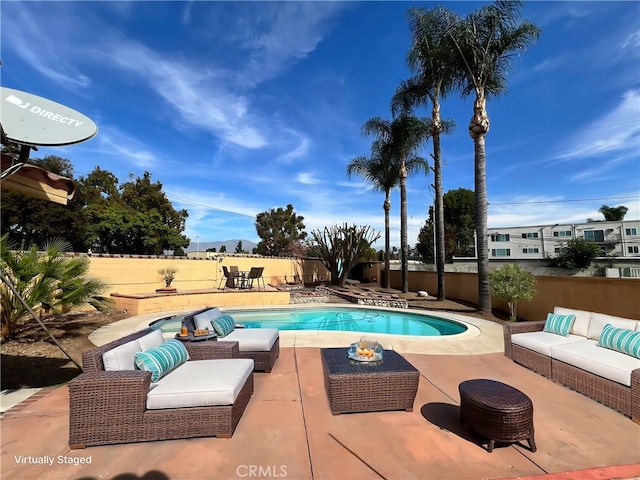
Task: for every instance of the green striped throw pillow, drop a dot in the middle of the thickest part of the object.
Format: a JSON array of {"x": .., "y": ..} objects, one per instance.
[
  {"x": 621, "y": 340},
  {"x": 223, "y": 325},
  {"x": 559, "y": 324},
  {"x": 162, "y": 359}
]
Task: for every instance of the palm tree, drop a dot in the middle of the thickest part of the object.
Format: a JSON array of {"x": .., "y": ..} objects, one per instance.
[
  {"x": 615, "y": 214},
  {"x": 401, "y": 139},
  {"x": 429, "y": 57},
  {"x": 383, "y": 173},
  {"x": 486, "y": 41}
]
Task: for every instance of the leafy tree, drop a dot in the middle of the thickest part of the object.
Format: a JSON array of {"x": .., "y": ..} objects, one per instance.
[
  {"x": 577, "y": 253},
  {"x": 280, "y": 230},
  {"x": 512, "y": 283},
  {"x": 459, "y": 227},
  {"x": 239, "y": 247},
  {"x": 46, "y": 279},
  {"x": 31, "y": 221},
  {"x": 135, "y": 217},
  {"x": 400, "y": 139},
  {"x": 486, "y": 41},
  {"x": 223, "y": 249},
  {"x": 212, "y": 249},
  {"x": 178, "y": 252},
  {"x": 429, "y": 59},
  {"x": 613, "y": 214},
  {"x": 341, "y": 247},
  {"x": 383, "y": 173}
]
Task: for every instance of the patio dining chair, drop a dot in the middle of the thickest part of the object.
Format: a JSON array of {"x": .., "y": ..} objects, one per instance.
[
  {"x": 229, "y": 277},
  {"x": 255, "y": 274}
]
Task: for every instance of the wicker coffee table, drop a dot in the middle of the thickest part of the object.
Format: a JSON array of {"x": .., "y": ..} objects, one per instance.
[
  {"x": 354, "y": 386},
  {"x": 497, "y": 411}
]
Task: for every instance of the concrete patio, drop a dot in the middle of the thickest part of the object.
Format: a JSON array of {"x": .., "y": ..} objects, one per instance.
[{"x": 287, "y": 431}]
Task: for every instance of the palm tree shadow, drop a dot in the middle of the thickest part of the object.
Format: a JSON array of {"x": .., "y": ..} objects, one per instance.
[{"x": 446, "y": 416}]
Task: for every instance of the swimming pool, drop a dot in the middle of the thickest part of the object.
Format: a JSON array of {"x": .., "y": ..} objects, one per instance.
[{"x": 346, "y": 319}]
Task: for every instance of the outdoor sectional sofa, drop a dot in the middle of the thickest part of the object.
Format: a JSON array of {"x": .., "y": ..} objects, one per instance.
[
  {"x": 112, "y": 402},
  {"x": 577, "y": 360},
  {"x": 262, "y": 345}
]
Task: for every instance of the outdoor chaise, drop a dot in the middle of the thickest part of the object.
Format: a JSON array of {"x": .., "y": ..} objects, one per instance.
[
  {"x": 112, "y": 402},
  {"x": 262, "y": 345},
  {"x": 595, "y": 354}
]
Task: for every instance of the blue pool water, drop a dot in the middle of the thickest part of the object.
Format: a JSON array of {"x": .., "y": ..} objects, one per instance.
[{"x": 351, "y": 319}]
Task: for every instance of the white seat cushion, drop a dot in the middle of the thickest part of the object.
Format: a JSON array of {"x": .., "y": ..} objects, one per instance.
[
  {"x": 599, "y": 320},
  {"x": 201, "y": 383},
  {"x": 121, "y": 357},
  {"x": 253, "y": 339},
  {"x": 542, "y": 342},
  {"x": 601, "y": 361}
]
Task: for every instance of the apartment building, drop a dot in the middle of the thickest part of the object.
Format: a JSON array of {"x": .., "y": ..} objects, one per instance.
[{"x": 621, "y": 239}]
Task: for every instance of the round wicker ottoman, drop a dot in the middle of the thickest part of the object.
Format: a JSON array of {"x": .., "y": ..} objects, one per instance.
[{"x": 496, "y": 411}]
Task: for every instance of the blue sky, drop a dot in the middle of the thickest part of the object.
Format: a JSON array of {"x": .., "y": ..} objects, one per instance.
[{"x": 240, "y": 107}]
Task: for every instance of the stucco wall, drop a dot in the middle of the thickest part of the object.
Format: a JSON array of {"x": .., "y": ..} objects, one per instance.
[
  {"x": 613, "y": 296},
  {"x": 131, "y": 274}
]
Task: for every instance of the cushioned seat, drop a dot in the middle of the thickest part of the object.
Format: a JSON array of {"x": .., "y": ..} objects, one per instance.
[
  {"x": 542, "y": 342},
  {"x": 587, "y": 355},
  {"x": 193, "y": 385},
  {"x": 253, "y": 339}
]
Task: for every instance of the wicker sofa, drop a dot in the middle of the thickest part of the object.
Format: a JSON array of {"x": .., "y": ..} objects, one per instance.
[
  {"x": 262, "y": 345},
  {"x": 204, "y": 396},
  {"x": 576, "y": 361}
]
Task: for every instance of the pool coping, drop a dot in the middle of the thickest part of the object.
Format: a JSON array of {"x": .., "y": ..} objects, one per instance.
[{"x": 482, "y": 336}]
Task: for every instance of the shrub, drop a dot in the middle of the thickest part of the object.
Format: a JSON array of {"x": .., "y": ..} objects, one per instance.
[{"x": 512, "y": 283}]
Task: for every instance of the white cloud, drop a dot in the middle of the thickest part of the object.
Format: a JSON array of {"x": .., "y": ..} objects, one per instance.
[
  {"x": 616, "y": 131},
  {"x": 307, "y": 178}
]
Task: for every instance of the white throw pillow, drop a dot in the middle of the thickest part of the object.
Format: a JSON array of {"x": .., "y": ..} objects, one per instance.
[
  {"x": 121, "y": 357},
  {"x": 151, "y": 340},
  {"x": 203, "y": 320}
]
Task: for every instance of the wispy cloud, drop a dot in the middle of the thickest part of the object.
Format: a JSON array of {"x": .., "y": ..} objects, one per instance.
[
  {"x": 31, "y": 38},
  {"x": 307, "y": 178},
  {"x": 616, "y": 131}
]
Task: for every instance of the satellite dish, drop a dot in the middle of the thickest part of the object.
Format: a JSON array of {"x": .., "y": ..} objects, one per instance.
[{"x": 31, "y": 120}]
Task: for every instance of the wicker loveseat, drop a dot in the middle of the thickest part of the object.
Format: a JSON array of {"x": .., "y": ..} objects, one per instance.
[
  {"x": 577, "y": 361},
  {"x": 123, "y": 405}
]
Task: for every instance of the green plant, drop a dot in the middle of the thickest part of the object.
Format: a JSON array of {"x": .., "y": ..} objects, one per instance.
[
  {"x": 47, "y": 280},
  {"x": 168, "y": 273},
  {"x": 512, "y": 283},
  {"x": 577, "y": 253}
]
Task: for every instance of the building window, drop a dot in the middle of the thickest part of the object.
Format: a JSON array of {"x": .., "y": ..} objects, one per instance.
[
  {"x": 631, "y": 231},
  {"x": 500, "y": 252},
  {"x": 594, "y": 235},
  {"x": 500, "y": 237},
  {"x": 563, "y": 233},
  {"x": 557, "y": 250},
  {"x": 530, "y": 235},
  {"x": 531, "y": 250},
  {"x": 634, "y": 249}
]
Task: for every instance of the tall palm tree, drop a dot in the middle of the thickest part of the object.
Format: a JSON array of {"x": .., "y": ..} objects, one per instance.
[
  {"x": 401, "y": 139},
  {"x": 429, "y": 58},
  {"x": 486, "y": 41},
  {"x": 383, "y": 173}
]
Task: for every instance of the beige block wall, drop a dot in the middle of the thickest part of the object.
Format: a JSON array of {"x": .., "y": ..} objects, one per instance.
[
  {"x": 131, "y": 274},
  {"x": 613, "y": 296}
]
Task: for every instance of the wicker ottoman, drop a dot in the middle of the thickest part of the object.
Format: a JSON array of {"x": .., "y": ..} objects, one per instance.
[
  {"x": 360, "y": 387},
  {"x": 496, "y": 411}
]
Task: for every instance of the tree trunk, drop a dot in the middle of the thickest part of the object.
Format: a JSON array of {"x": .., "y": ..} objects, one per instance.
[
  {"x": 387, "y": 240},
  {"x": 404, "y": 243},
  {"x": 478, "y": 128},
  {"x": 439, "y": 213}
]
